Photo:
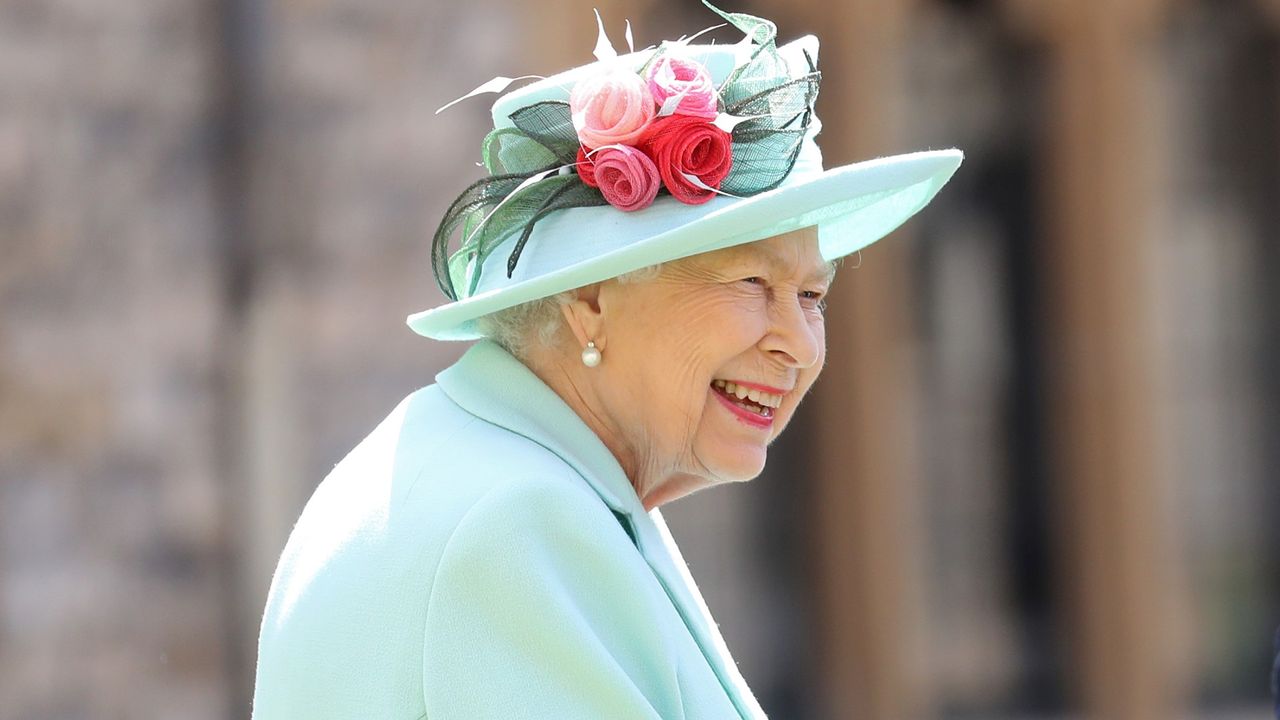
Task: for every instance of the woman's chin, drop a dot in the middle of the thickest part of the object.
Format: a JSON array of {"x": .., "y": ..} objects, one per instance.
[{"x": 737, "y": 464}]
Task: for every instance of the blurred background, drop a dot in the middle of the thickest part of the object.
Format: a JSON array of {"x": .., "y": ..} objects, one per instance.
[{"x": 1037, "y": 479}]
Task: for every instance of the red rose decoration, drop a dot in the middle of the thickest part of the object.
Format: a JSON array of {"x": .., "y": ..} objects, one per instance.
[
  {"x": 626, "y": 177},
  {"x": 683, "y": 144},
  {"x": 586, "y": 167}
]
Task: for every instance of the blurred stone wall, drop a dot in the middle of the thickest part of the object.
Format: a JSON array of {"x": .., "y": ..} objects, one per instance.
[{"x": 111, "y": 557}]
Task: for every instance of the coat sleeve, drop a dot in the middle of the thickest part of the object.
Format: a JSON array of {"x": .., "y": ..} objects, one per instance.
[{"x": 541, "y": 607}]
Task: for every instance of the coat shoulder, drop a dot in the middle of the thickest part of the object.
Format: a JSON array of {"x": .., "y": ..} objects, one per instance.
[
  {"x": 432, "y": 459},
  {"x": 356, "y": 575}
]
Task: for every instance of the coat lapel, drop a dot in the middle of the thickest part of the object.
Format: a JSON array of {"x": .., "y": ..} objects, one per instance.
[
  {"x": 491, "y": 384},
  {"x": 659, "y": 549}
]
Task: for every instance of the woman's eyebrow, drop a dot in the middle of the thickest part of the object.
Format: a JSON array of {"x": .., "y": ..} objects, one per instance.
[{"x": 825, "y": 273}]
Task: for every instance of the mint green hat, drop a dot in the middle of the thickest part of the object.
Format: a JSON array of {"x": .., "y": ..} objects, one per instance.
[{"x": 708, "y": 166}]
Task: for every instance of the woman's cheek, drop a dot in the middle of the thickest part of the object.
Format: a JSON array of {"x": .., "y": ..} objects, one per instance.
[
  {"x": 724, "y": 318},
  {"x": 749, "y": 310}
]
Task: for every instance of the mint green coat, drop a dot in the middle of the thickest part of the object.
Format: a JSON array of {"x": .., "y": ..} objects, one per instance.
[{"x": 482, "y": 555}]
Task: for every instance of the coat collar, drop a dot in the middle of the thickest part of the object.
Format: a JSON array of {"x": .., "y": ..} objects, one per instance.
[{"x": 493, "y": 385}]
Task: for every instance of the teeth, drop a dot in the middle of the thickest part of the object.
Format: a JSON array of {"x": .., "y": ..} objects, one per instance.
[{"x": 768, "y": 400}]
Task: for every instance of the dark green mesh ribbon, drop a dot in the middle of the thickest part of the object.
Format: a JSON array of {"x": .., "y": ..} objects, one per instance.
[
  {"x": 764, "y": 67},
  {"x": 487, "y": 212},
  {"x": 765, "y": 147},
  {"x": 544, "y": 144},
  {"x": 550, "y": 124}
]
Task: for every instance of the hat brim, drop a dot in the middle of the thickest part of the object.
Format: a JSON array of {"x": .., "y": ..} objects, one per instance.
[{"x": 852, "y": 206}]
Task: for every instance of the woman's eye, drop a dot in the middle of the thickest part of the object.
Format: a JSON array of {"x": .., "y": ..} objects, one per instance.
[
  {"x": 754, "y": 280},
  {"x": 814, "y": 299}
]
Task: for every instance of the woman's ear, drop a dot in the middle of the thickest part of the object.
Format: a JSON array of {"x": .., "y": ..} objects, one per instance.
[{"x": 583, "y": 316}]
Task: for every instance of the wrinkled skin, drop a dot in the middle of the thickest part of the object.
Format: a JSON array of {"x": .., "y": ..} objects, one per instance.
[{"x": 750, "y": 313}]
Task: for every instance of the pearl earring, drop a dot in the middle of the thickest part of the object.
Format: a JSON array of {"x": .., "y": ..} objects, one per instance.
[{"x": 590, "y": 354}]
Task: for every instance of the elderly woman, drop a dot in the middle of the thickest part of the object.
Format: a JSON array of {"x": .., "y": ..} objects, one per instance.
[{"x": 647, "y": 262}]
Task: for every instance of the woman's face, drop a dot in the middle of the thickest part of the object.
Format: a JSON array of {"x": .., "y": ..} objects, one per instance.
[{"x": 681, "y": 351}]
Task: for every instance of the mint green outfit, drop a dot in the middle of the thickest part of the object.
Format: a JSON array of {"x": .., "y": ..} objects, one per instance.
[{"x": 482, "y": 555}]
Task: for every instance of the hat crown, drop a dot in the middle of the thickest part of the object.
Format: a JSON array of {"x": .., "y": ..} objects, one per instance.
[
  {"x": 555, "y": 244},
  {"x": 683, "y": 121}
]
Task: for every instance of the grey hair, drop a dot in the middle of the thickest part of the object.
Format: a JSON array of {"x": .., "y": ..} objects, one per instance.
[{"x": 522, "y": 327}]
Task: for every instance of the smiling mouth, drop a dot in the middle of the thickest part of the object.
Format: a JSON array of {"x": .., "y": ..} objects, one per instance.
[{"x": 749, "y": 399}]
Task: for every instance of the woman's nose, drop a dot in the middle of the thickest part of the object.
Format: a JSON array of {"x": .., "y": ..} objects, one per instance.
[{"x": 793, "y": 337}]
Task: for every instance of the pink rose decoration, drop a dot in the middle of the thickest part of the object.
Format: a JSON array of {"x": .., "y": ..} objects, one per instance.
[
  {"x": 611, "y": 108},
  {"x": 627, "y": 178},
  {"x": 671, "y": 75}
]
